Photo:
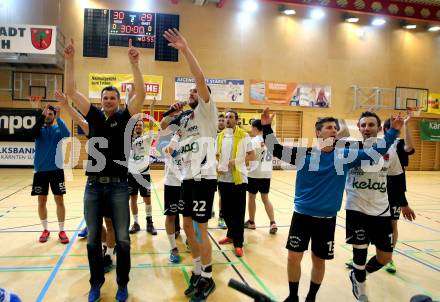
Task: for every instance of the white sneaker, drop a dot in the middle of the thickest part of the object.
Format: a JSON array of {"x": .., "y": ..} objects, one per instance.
[{"x": 358, "y": 288}]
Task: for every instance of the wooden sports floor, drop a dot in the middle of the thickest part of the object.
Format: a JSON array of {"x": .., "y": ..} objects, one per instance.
[{"x": 56, "y": 272}]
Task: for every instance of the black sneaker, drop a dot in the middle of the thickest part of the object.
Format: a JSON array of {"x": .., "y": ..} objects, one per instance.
[
  {"x": 192, "y": 284},
  {"x": 151, "y": 229},
  {"x": 108, "y": 263},
  {"x": 205, "y": 287}
]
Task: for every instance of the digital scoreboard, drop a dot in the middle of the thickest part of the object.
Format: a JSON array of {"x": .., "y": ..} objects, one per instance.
[{"x": 137, "y": 26}]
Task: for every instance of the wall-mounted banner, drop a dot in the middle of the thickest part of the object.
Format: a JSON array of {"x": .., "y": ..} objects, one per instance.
[
  {"x": 434, "y": 103},
  {"x": 222, "y": 90},
  {"x": 16, "y": 124},
  {"x": 17, "y": 153},
  {"x": 269, "y": 92},
  {"x": 40, "y": 39},
  {"x": 430, "y": 130},
  {"x": 97, "y": 81},
  {"x": 312, "y": 95},
  {"x": 293, "y": 94}
]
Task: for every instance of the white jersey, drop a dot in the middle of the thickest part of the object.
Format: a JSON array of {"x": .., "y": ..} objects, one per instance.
[
  {"x": 198, "y": 131},
  {"x": 245, "y": 145},
  {"x": 139, "y": 160},
  {"x": 173, "y": 165},
  {"x": 262, "y": 166},
  {"x": 366, "y": 187}
]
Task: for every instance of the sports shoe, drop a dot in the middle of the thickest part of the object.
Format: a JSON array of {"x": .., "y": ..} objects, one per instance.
[
  {"x": 249, "y": 225},
  {"x": 239, "y": 252},
  {"x": 349, "y": 264},
  {"x": 44, "y": 236},
  {"x": 273, "y": 229},
  {"x": 205, "y": 287},
  {"x": 225, "y": 240},
  {"x": 151, "y": 229},
  {"x": 174, "y": 256},
  {"x": 358, "y": 288},
  {"x": 63, "y": 237},
  {"x": 122, "y": 293},
  {"x": 391, "y": 267},
  {"x": 135, "y": 228},
  {"x": 95, "y": 292},
  {"x": 193, "y": 282},
  {"x": 108, "y": 263},
  {"x": 221, "y": 224},
  {"x": 83, "y": 233}
]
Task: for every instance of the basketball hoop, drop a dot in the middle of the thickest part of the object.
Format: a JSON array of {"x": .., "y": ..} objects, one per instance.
[
  {"x": 35, "y": 101},
  {"x": 413, "y": 111}
]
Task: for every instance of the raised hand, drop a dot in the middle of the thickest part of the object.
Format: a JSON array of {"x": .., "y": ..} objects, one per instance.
[
  {"x": 46, "y": 109},
  {"x": 408, "y": 118},
  {"x": 175, "y": 38},
  {"x": 69, "y": 51},
  {"x": 57, "y": 110},
  {"x": 133, "y": 53},
  {"x": 61, "y": 98},
  {"x": 397, "y": 121},
  {"x": 266, "y": 117}
]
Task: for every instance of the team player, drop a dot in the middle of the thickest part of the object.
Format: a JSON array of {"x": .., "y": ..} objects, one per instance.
[
  {"x": 108, "y": 234},
  {"x": 47, "y": 162},
  {"x": 139, "y": 172},
  {"x": 234, "y": 151},
  {"x": 198, "y": 130},
  {"x": 107, "y": 187},
  {"x": 319, "y": 187},
  {"x": 172, "y": 194},
  {"x": 396, "y": 185},
  {"x": 260, "y": 173},
  {"x": 221, "y": 221},
  {"x": 368, "y": 219}
]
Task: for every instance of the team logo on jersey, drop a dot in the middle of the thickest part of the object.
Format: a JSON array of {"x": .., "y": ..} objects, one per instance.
[
  {"x": 376, "y": 186},
  {"x": 41, "y": 38},
  {"x": 386, "y": 157},
  {"x": 194, "y": 147},
  {"x": 294, "y": 241}
]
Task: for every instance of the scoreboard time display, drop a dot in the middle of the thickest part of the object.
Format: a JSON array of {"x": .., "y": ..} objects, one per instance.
[{"x": 137, "y": 26}]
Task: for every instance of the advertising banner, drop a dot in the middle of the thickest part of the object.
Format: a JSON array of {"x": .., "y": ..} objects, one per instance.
[
  {"x": 97, "y": 81},
  {"x": 222, "y": 90}
]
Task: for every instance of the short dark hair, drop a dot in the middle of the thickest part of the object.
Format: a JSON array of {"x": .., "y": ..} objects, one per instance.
[
  {"x": 387, "y": 124},
  {"x": 257, "y": 124},
  {"x": 221, "y": 115},
  {"x": 234, "y": 112},
  {"x": 111, "y": 88},
  {"x": 370, "y": 114},
  {"x": 52, "y": 108},
  {"x": 322, "y": 120}
]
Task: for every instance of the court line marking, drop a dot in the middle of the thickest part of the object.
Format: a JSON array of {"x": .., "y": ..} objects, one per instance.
[
  {"x": 416, "y": 248},
  {"x": 59, "y": 263},
  {"x": 24, "y": 226},
  {"x": 14, "y": 193},
  {"x": 259, "y": 281}
]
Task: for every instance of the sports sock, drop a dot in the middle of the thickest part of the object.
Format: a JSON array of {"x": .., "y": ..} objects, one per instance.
[
  {"x": 44, "y": 224},
  {"x": 172, "y": 240},
  {"x": 373, "y": 265},
  {"x": 314, "y": 287},
  {"x": 197, "y": 265}
]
